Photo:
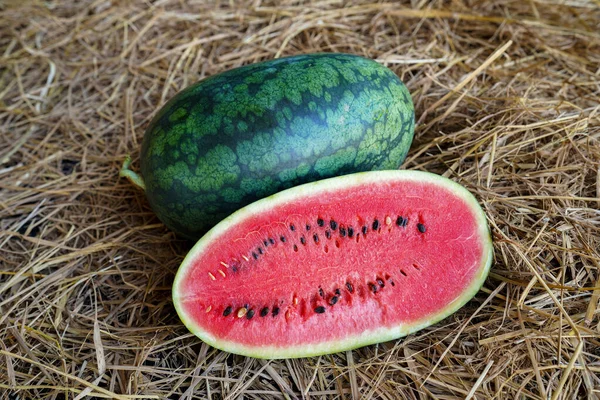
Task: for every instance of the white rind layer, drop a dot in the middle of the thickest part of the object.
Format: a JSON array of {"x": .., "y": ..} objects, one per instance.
[{"x": 368, "y": 337}]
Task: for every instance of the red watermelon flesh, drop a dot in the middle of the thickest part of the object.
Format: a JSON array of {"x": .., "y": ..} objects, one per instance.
[{"x": 334, "y": 265}]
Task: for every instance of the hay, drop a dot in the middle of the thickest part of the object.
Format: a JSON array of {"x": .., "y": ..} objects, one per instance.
[{"x": 507, "y": 96}]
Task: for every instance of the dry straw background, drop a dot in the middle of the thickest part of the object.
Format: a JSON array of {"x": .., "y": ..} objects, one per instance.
[{"x": 507, "y": 98}]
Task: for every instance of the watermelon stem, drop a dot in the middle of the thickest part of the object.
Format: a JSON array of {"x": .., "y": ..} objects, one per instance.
[{"x": 134, "y": 178}]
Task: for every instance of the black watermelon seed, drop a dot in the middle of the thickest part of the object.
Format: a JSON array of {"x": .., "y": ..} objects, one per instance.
[
  {"x": 295, "y": 248},
  {"x": 337, "y": 292},
  {"x": 333, "y": 300},
  {"x": 264, "y": 312},
  {"x": 260, "y": 251},
  {"x": 320, "y": 310},
  {"x": 375, "y": 225},
  {"x": 275, "y": 311},
  {"x": 316, "y": 238},
  {"x": 292, "y": 228},
  {"x": 399, "y": 221},
  {"x": 271, "y": 241},
  {"x": 320, "y": 222},
  {"x": 282, "y": 238},
  {"x": 250, "y": 314},
  {"x": 342, "y": 231},
  {"x": 302, "y": 240},
  {"x": 404, "y": 222},
  {"x": 421, "y": 228},
  {"x": 349, "y": 287},
  {"x": 328, "y": 234},
  {"x": 333, "y": 225},
  {"x": 255, "y": 255},
  {"x": 380, "y": 282},
  {"x": 350, "y": 232},
  {"x": 227, "y": 311},
  {"x": 373, "y": 287},
  {"x": 307, "y": 227},
  {"x": 265, "y": 243},
  {"x": 364, "y": 230},
  {"x": 321, "y": 293}
]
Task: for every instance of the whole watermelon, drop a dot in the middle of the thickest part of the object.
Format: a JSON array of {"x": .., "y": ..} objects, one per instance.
[{"x": 249, "y": 132}]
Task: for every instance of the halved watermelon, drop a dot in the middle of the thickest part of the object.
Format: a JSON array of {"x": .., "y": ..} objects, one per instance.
[{"x": 335, "y": 265}]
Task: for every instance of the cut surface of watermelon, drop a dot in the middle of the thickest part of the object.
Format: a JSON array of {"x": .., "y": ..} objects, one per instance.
[{"x": 335, "y": 265}]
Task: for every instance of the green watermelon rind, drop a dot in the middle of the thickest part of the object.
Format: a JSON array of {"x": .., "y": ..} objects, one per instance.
[
  {"x": 252, "y": 131},
  {"x": 367, "y": 337}
]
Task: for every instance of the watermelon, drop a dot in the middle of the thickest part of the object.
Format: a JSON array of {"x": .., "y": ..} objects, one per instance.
[
  {"x": 334, "y": 265},
  {"x": 250, "y": 132}
]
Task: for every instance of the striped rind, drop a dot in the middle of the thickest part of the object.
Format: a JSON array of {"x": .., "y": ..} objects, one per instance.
[
  {"x": 295, "y": 194},
  {"x": 247, "y": 133}
]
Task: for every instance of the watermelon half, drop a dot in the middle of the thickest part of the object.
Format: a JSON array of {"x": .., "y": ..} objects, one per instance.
[{"x": 335, "y": 265}]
